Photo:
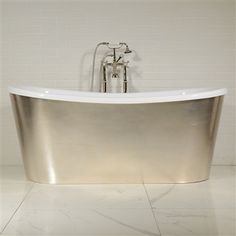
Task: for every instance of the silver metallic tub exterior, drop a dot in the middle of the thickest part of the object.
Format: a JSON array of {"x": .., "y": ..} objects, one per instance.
[{"x": 66, "y": 142}]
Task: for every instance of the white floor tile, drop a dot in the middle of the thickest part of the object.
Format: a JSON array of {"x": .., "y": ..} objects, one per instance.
[
  {"x": 11, "y": 196},
  {"x": 206, "y": 208},
  {"x": 217, "y": 192},
  {"x": 192, "y": 222},
  {"x": 87, "y": 196},
  {"x": 83, "y": 222}
]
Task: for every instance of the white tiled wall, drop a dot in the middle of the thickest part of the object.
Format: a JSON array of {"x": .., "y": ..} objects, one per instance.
[{"x": 176, "y": 44}]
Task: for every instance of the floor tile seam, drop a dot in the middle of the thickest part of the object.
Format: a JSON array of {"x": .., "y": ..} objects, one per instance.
[
  {"x": 153, "y": 213},
  {"x": 16, "y": 210}
]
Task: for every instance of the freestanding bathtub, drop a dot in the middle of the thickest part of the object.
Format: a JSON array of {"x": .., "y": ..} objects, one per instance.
[{"x": 70, "y": 137}]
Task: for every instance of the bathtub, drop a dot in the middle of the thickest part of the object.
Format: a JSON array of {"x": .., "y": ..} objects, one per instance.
[{"x": 70, "y": 137}]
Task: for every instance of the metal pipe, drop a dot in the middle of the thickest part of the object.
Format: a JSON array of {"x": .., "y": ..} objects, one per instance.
[
  {"x": 104, "y": 79},
  {"x": 94, "y": 58},
  {"x": 125, "y": 82}
]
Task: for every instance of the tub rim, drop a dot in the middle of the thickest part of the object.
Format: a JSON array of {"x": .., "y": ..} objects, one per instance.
[{"x": 117, "y": 98}]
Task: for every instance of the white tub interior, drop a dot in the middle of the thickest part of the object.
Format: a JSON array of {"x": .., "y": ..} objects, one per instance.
[{"x": 118, "y": 98}]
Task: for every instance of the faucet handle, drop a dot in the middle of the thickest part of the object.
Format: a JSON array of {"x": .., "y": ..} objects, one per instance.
[{"x": 120, "y": 57}]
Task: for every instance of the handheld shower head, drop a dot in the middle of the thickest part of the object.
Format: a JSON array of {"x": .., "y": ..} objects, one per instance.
[{"x": 127, "y": 50}]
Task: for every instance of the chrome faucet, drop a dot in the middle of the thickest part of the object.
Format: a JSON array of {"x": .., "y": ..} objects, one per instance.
[{"x": 117, "y": 65}]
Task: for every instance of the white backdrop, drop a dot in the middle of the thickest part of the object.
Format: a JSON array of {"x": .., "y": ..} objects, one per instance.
[{"x": 177, "y": 44}]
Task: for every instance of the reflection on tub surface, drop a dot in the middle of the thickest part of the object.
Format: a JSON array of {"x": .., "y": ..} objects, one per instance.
[{"x": 68, "y": 142}]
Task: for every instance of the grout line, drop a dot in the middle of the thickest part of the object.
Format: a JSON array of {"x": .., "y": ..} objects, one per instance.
[
  {"x": 8, "y": 222},
  {"x": 154, "y": 216}
]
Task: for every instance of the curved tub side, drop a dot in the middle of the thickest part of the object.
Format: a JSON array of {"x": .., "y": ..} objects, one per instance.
[{"x": 71, "y": 142}]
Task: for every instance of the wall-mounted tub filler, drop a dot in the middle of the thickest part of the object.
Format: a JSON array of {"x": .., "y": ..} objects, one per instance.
[
  {"x": 113, "y": 61},
  {"x": 70, "y": 137}
]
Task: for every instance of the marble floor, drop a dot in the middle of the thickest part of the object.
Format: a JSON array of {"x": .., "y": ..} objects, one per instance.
[{"x": 206, "y": 208}]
